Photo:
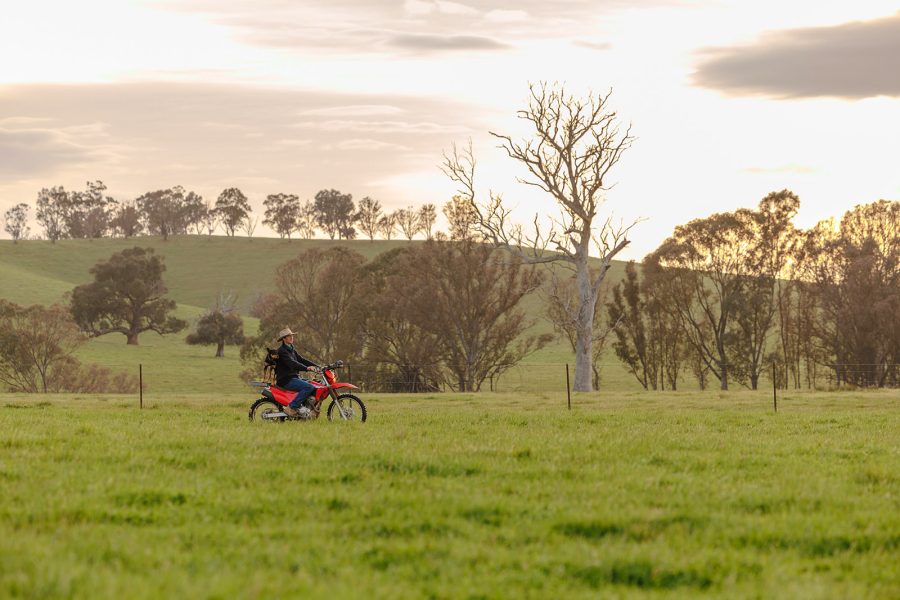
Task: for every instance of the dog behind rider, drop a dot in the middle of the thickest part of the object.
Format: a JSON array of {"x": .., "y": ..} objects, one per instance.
[{"x": 289, "y": 364}]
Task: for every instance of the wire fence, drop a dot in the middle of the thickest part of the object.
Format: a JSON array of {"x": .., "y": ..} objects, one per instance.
[{"x": 555, "y": 377}]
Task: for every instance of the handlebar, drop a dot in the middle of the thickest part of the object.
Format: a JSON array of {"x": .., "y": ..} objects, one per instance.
[{"x": 335, "y": 365}]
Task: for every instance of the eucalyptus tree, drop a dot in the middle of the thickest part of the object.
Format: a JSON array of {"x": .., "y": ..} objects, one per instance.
[
  {"x": 704, "y": 268},
  {"x": 306, "y": 220},
  {"x": 367, "y": 216},
  {"x": 127, "y": 296},
  {"x": 232, "y": 209},
  {"x": 15, "y": 222},
  {"x": 51, "y": 212},
  {"x": 427, "y": 217},
  {"x": 387, "y": 224},
  {"x": 334, "y": 213},
  {"x": 281, "y": 213},
  {"x": 461, "y": 215},
  {"x": 408, "y": 220}
]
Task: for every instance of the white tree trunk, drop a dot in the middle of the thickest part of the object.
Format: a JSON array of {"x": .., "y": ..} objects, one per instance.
[{"x": 584, "y": 339}]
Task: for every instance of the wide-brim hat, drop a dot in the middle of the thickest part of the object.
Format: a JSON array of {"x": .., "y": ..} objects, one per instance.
[{"x": 284, "y": 333}]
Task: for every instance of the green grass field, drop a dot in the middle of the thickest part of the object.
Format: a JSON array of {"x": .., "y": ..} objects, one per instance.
[
  {"x": 496, "y": 495},
  {"x": 448, "y": 496}
]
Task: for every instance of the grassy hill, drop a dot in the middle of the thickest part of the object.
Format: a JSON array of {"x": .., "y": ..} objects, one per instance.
[{"x": 197, "y": 269}]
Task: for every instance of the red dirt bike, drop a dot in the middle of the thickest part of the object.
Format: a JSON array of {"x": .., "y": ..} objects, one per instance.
[{"x": 347, "y": 407}]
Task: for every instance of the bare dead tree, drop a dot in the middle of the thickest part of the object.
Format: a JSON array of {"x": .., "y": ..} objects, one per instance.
[
  {"x": 575, "y": 144},
  {"x": 562, "y": 302}
]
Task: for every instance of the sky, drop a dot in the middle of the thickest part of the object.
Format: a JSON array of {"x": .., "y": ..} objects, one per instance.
[{"x": 728, "y": 99}]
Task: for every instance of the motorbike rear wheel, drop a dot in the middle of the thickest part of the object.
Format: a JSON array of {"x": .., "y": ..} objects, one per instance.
[
  {"x": 263, "y": 407},
  {"x": 353, "y": 407}
]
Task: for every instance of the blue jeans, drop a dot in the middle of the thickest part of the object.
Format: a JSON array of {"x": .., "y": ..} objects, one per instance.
[{"x": 303, "y": 389}]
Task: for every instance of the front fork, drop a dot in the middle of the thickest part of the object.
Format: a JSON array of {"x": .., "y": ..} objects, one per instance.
[{"x": 334, "y": 396}]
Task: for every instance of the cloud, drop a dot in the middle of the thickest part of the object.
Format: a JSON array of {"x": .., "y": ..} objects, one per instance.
[
  {"x": 293, "y": 142},
  {"x": 369, "y": 144},
  {"x": 426, "y": 7},
  {"x": 382, "y": 127},
  {"x": 455, "y": 8},
  {"x": 141, "y": 136},
  {"x": 358, "y": 110},
  {"x": 366, "y": 27},
  {"x": 418, "y": 7},
  {"x": 424, "y": 42},
  {"x": 791, "y": 168},
  {"x": 593, "y": 45},
  {"x": 506, "y": 16},
  {"x": 29, "y": 152},
  {"x": 854, "y": 60},
  {"x": 20, "y": 121}
]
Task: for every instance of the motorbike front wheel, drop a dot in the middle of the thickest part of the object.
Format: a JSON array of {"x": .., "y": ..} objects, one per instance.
[
  {"x": 263, "y": 407},
  {"x": 353, "y": 409}
]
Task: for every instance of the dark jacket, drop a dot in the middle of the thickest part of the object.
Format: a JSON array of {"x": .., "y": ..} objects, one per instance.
[{"x": 289, "y": 364}]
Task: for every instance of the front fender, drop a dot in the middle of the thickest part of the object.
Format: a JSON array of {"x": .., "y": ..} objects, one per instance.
[{"x": 344, "y": 385}]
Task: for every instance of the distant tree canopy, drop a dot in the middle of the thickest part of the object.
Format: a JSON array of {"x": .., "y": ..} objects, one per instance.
[
  {"x": 442, "y": 312},
  {"x": 733, "y": 293},
  {"x": 469, "y": 296},
  {"x": 409, "y": 222},
  {"x": 647, "y": 337},
  {"x": 177, "y": 211},
  {"x": 232, "y": 209},
  {"x": 854, "y": 275},
  {"x": 282, "y": 212},
  {"x": 15, "y": 222},
  {"x": 461, "y": 216},
  {"x": 306, "y": 220},
  {"x": 427, "y": 217},
  {"x": 127, "y": 296},
  {"x": 51, "y": 207},
  {"x": 367, "y": 217},
  {"x": 220, "y": 325},
  {"x": 315, "y": 297},
  {"x": 167, "y": 212},
  {"x": 334, "y": 214},
  {"x": 36, "y": 346},
  {"x": 127, "y": 220},
  {"x": 387, "y": 224}
]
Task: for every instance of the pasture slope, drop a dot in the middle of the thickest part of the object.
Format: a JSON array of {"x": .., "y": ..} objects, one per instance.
[
  {"x": 197, "y": 268},
  {"x": 454, "y": 496}
]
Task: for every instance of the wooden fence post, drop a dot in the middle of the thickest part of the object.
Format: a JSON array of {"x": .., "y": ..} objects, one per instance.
[{"x": 774, "y": 389}]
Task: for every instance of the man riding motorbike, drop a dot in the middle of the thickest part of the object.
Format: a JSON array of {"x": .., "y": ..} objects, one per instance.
[{"x": 289, "y": 364}]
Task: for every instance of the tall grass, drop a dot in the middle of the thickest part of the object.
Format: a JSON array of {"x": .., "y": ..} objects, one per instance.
[{"x": 491, "y": 496}]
